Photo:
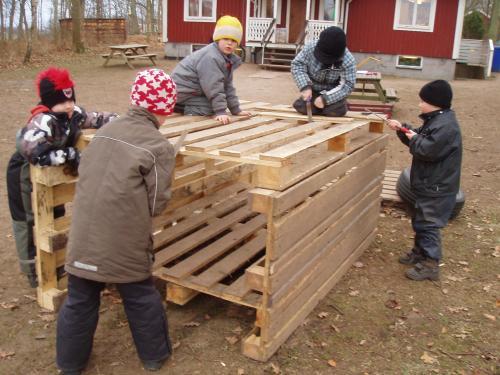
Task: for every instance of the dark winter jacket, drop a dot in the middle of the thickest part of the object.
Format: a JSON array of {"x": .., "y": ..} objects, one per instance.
[
  {"x": 208, "y": 72},
  {"x": 49, "y": 138},
  {"x": 437, "y": 154},
  {"x": 125, "y": 177}
]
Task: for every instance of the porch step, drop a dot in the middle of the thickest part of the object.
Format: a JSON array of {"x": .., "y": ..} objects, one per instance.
[
  {"x": 290, "y": 54},
  {"x": 274, "y": 66},
  {"x": 278, "y": 60}
]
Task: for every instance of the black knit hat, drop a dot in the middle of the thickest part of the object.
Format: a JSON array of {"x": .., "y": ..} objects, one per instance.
[
  {"x": 55, "y": 86},
  {"x": 331, "y": 45},
  {"x": 438, "y": 93}
]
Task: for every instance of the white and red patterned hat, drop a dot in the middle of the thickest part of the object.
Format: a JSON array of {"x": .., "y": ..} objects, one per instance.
[{"x": 154, "y": 90}]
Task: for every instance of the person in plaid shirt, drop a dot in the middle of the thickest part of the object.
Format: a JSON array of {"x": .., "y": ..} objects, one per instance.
[{"x": 325, "y": 73}]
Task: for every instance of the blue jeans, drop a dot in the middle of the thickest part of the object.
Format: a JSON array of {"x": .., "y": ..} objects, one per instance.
[
  {"x": 77, "y": 321},
  {"x": 431, "y": 214}
]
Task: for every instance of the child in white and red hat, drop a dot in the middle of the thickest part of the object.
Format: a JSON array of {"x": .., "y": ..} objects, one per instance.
[
  {"x": 48, "y": 139},
  {"x": 125, "y": 177}
]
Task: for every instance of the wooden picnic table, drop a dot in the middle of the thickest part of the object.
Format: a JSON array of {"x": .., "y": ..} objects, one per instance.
[
  {"x": 369, "y": 87},
  {"x": 129, "y": 52}
]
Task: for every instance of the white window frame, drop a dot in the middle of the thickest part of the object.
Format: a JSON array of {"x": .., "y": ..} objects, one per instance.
[
  {"x": 188, "y": 18},
  {"x": 426, "y": 29},
  {"x": 408, "y": 66}
]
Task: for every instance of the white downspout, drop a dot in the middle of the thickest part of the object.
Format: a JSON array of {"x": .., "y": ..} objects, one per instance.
[
  {"x": 346, "y": 16},
  {"x": 164, "y": 34},
  {"x": 337, "y": 12},
  {"x": 458, "y": 29}
]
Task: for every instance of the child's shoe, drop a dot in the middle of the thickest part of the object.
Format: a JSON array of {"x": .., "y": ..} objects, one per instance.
[
  {"x": 153, "y": 365},
  {"x": 425, "y": 270}
]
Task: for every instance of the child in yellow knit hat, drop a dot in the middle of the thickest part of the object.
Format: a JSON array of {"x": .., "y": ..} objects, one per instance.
[{"x": 204, "y": 79}]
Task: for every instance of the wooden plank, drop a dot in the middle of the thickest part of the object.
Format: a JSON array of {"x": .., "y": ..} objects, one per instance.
[
  {"x": 191, "y": 126},
  {"x": 282, "y": 201},
  {"x": 290, "y": 228},
  {"x": 242, "y": 136},
  {"x": 196, "y": 220},
  {"x": 267, "y": 349},
  {"x": 288, "y": 268},
  {"x": 223, "y": 130},
  {"x": 179, "y": 295},
  {"x": 181, "y": 120},
  {"x": 197, "y": 238},
  {"x": 298, "y": 116},
  {"x": 268, "y": 142},
  {"x": 216, "y": 249},
  {"x": 255, "y": 277},
  {"x": 233, "y": 261},
  {"x": 168, "y": 216},
  {"x": 291, "y": 149},
  {"x": 339, "y": 257},
  {"x": 64, "y": 193},
  {"x": 50, "y": 176},
  {"x": 349, "y": 115}
]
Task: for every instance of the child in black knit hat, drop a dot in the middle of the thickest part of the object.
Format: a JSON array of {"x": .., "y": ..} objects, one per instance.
[
  {"x": 48, "y": 139},
  {"x": 436, "y": 147}
]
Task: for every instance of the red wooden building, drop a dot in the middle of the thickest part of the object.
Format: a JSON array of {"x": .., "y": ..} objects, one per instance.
[{"x": 418, "y": 38}]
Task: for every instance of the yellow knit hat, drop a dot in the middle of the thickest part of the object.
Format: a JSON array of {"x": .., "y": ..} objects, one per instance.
[{"x": 228, "y": 27}]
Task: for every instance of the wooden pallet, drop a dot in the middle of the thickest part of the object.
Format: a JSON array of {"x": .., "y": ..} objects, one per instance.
[
  {"x": 267, "y": 212},
  {"x": 389, "y": 192}
]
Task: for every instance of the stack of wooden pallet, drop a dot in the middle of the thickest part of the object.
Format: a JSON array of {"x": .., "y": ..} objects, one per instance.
[{"x": 267, "y": 212}]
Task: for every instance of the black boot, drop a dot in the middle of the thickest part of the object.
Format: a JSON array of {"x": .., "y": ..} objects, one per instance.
[
  {"x": 153, "y": 365},
  {"x": 413, "y": 257},
  {"x": 425, "y": 270}
]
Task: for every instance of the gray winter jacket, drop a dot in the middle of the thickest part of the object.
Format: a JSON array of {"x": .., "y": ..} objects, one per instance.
[
  {"x": 208, "y": 72},
  {"x": 125, "y": 177}
]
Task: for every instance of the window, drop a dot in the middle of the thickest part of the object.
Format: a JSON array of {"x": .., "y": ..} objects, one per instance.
[
  {"x": 415, "y": 15},
  {"x": 328, "y": 10},
  {"x": 409, "y": 62},
  {"x": 200, "y": 10}
]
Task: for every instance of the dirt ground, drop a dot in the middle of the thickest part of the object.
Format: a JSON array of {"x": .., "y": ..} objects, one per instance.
[{"x": 373, "y": 322}]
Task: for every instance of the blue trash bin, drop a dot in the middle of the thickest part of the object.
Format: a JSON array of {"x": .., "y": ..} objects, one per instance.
[{"x": 496, "y": 60}]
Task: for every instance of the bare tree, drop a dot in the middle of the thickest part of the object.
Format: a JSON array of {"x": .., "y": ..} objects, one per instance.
[
  {"x": 494, "y": 20},
  {"x": 99, "y": 11},
  {"x": 22, "y": 20},
  {"x": 2, "y": 23},
  {"x": 133, "y": 21},
  {"x": 31, "y": 33},
  {"x": 11, "y": 18},
  {"x": 76, "y": 15}
]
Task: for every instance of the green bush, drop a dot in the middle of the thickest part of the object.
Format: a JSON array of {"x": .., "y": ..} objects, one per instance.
[{"x": 473, "y": 26}]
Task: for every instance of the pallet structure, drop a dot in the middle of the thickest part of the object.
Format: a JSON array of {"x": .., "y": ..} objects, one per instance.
[{"x": 267, "y": 212}]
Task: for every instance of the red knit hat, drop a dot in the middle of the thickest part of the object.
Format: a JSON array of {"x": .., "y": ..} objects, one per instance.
[
  {"x": 154, "y": 90},
  {"x": 55, "y": 86}
]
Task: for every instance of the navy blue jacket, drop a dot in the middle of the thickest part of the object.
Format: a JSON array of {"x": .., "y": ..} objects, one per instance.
[{"x": 437, "y": 154}]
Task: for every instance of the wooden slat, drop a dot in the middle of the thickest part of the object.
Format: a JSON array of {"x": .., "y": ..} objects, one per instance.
[
  {"x": 268, "y": 142},
  {"x": 233, "y": 261},
  {"x": 195, "y": 220},
  {"x": 188, "y": 243},
  {"x": 291, "y": 149},
  {"x": 246, "y": 135},
  {"x": 282, "y": 201},
  {"x": 223, "y": 130},
  {"x": 298, "y": 116},
  {"x": 291, "y": 227},
  {"x": 191, "y": 126},
  {"x": 215, "y": 249}
]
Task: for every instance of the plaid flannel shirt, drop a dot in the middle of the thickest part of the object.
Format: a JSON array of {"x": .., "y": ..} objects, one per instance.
[{"x": 334, "y": 84}]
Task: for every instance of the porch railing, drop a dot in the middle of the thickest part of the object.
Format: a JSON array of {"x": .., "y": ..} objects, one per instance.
[
  {"x": 257, "y": 29},
  {"x": 315, "y": 27}
]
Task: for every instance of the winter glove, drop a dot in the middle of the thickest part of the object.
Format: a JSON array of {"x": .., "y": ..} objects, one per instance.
[{"x": 72, "y": 161}]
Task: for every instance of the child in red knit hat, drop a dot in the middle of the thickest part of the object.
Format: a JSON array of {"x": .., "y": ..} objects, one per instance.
[{"x": 48, "y": 139}]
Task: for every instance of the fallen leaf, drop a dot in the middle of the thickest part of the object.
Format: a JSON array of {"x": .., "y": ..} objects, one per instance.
[
  {"x": 276, "y": 369},
  {"x": 223, "y": 364},
  {"x": 322, "y": 315},
  {"x": 487, "y": 288},
  {"x": 40, "y": 337},
  {"x": 490, "y": 317},
  {"x": 358, "y": 265},
  {"x": 428, "y": 359},
  {"x": 354, "y": 293},
  {"x": 6, "y": 355},
  {"x": 122, "y": 323},
  {"x": 241, "y": 371},
  {"x": 191, "y": 324},
  {"x": 362, "y": 342},
  {"x": 176, "y": 345},
  {"x": 335, "y": 328},
  {"x": 207, "y": 317},
  {"x": 31, "y": 298},
  {"x": 463, "y": 263},
  {"x": 237, "y": 330},
  {"x": 9, "y": 305},
  {"x": 392, "y": 304},
  {"x": 232, "y": 339},
  {"x": 332, "y": 363}
]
